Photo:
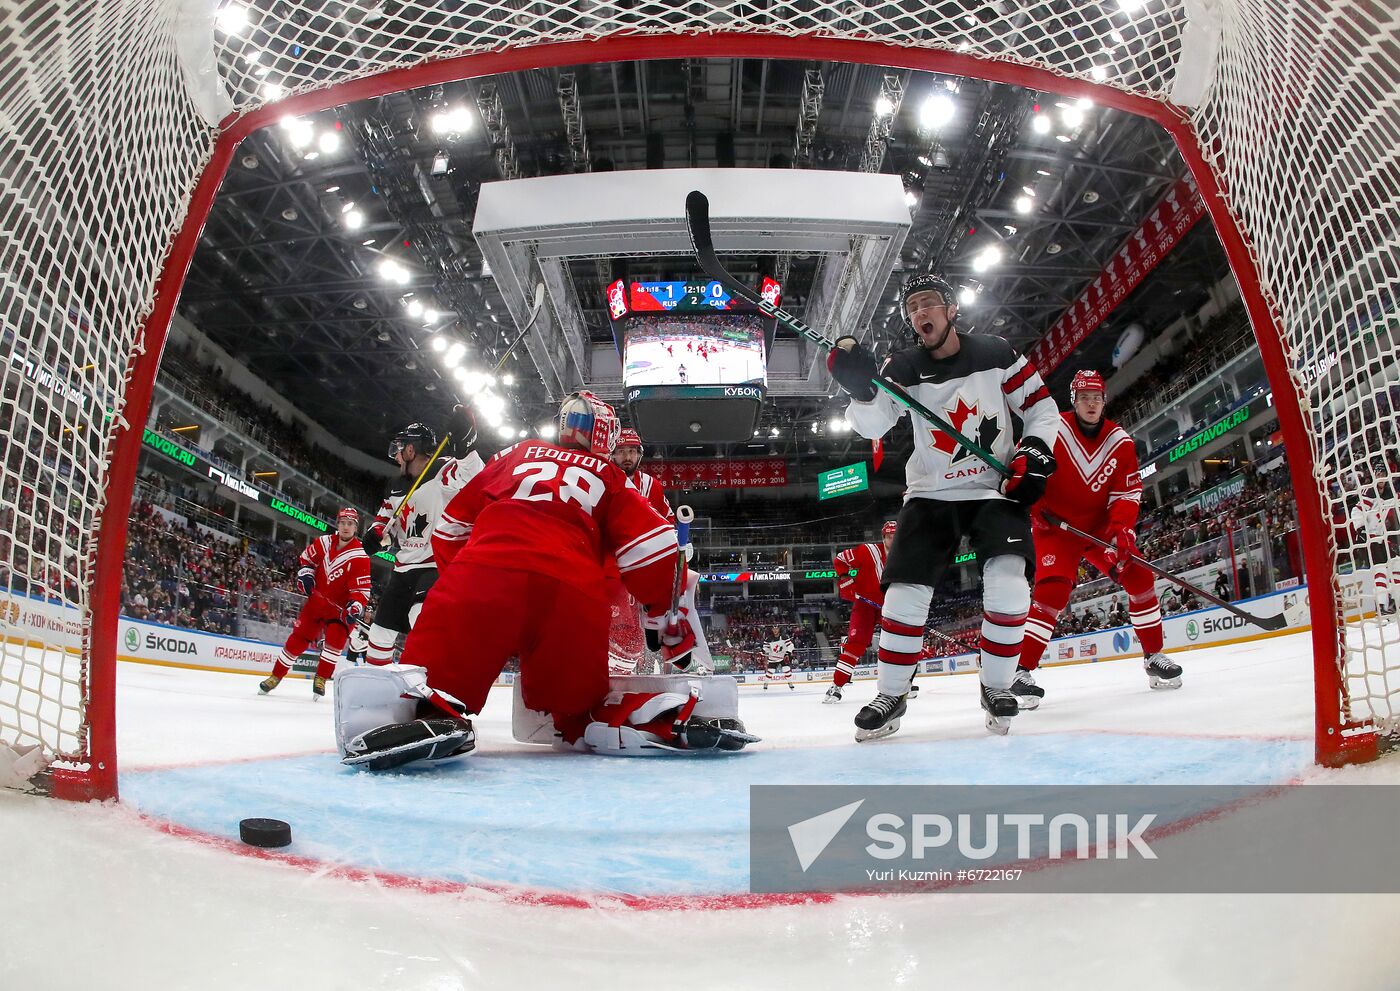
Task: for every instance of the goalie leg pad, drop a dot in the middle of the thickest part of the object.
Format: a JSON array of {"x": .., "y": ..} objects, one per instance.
[
  {"x": 388, "y": 747},
  {"x": 369, "y": 697}
]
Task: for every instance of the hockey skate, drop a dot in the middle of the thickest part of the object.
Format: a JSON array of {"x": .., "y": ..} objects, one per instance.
[
  {"x": 880, "y": 718},
  {"x": 1162, "y": 671},
  {"x": 833, "y": 694},
  {"x": 268, "y": 684},
  {"x": 318, "y": 687},
  {"x": 1028, "y": 693},
  {"x": 1000, "y": 705}
]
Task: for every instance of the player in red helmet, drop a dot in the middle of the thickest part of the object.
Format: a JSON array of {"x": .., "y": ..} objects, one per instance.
[
  {"x": 627, "y": 455},
  {"x": 334, "y": 577},
  {"x": 1098, "y": 489},
  {"x": 858, "y": 573}
]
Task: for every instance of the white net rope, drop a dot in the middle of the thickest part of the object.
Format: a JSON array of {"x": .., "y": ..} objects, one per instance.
[
  {"x": 101, "y": 143},
  {"x": 99, "y": 149}
]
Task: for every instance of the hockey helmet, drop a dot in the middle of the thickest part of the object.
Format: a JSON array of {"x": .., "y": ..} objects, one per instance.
[
  {"x": 586, "y": 422},
  {"x": 423, "y": 438},
  {"x": 1087, "y": 380},
  {"x": 888, "y": 529},
  {"x": 927, "y": 282},
  {"x": 629, "y": 438},
  {"x": 348, "y": 513}
]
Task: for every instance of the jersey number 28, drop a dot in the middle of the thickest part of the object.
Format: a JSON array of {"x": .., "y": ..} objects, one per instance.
[{"x": 577, "y": 484}]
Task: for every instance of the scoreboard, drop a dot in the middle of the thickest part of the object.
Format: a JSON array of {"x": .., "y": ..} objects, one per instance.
[{"x": 681, "y": 297}]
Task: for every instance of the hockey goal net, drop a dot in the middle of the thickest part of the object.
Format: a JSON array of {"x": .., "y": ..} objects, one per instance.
[{"x": 118, "y": 119}]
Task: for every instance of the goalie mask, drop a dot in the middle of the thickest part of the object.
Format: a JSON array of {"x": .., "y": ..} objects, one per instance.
[{"x": 586, "y": 422}]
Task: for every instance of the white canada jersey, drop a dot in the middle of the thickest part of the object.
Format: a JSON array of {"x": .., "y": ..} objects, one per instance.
[
  {"x": 778, "y": 651},
  {"x": 412, "y": 530},
  {"x": 1370, "y": 517},
  {"x": 988, "y": 392}
]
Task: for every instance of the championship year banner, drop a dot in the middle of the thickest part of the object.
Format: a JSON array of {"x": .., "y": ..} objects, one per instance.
[{"x": 736, "y": 473}]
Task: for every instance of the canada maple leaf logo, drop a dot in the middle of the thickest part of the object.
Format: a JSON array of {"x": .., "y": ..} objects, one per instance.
[{"x": 961, "y": 417}]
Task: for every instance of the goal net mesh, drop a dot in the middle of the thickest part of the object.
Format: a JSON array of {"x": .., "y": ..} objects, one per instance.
[{"x": 109, "y": 114}]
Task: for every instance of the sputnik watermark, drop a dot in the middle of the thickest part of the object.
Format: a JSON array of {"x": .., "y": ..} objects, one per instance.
[
  {"x": 1108, "y": 836},
  {"x": 1140, "y": 838}
]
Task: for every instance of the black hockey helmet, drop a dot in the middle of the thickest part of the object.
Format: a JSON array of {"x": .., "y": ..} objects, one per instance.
[
  {"x": 926, "y": 282},
  {"x": 423, "y": 438}
]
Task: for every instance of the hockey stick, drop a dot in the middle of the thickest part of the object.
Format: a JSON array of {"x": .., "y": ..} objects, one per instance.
[
  {"x": 1270, "y": 623},
  {"x": 536, "y": 309},
  {"x": 684, "y": 517},
  {"x": 697, "y": 211}
]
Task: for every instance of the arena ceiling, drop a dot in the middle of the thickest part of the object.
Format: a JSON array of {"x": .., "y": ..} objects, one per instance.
[{"x": 287, "y": 281}]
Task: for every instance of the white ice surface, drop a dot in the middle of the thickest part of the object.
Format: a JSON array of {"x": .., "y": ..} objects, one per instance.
[{"x": 94, "y": 898}]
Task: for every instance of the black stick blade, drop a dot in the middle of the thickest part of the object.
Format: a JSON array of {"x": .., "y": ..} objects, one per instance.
[{"x": 697, "y": 216}]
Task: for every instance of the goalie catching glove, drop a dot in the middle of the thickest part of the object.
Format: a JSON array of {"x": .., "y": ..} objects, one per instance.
[{"x": 853, "y": 368}]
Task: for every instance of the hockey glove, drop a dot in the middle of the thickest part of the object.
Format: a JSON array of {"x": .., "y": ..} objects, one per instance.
[
  {"x": 670, "y": 633},
  {"x": 354, "y": 610},
  {"x": 306, "y": 581},
  {"x": 463, "y": 430},
  {"x": 853, "y": 368},
  {"x": 1122, "y": 545},
  {"x": 372, "y": 541},
  {"x": 1031, "y": 467}
]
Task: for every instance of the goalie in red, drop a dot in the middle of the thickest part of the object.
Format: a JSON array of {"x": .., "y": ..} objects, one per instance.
[
  {"x": 1098, "y": 489},
  {"x": 334, "y": 577},
  {"x": 858, "y": 572},
  {"x": 521, "y": 550}
]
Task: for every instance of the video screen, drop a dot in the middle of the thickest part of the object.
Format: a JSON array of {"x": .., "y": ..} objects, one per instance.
[{"x": 693, "y": 349}]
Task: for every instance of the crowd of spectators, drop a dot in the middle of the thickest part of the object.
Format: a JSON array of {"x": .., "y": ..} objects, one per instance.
[
  {"x": 207, "y": 389},
  {"x": 750, "y": 626},
  {"x": 1221, "y": 338},
  {"x": 182, "y": 574}
]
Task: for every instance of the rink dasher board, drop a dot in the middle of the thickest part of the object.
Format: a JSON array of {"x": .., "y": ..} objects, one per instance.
[
  {"x": 1210, "y": 627},
  {"x": 40, "y": 624}
]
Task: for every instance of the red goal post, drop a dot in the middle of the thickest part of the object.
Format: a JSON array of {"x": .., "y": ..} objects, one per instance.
[{"x": 118, "y": 121}]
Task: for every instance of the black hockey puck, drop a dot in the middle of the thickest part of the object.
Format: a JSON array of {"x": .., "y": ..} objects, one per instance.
[{"x": 265, "y": 832}]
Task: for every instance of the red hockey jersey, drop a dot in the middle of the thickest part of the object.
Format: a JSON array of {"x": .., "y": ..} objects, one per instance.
[
  {"x": 342, "y": 575},
  {"x": 560, "y": 512},
  {"x": 868, "y": 563},
  {"x": 1096, "y": 480},
  {"x": 653, "y": 492}
]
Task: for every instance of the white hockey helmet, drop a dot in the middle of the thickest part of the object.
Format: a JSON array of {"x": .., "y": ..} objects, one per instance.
[{"x": 586, "y": 422}]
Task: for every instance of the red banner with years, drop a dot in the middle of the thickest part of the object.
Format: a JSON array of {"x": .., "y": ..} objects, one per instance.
[
  {"x": 1163, "y": 227},
  {"x": 739, "y": 473}
]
